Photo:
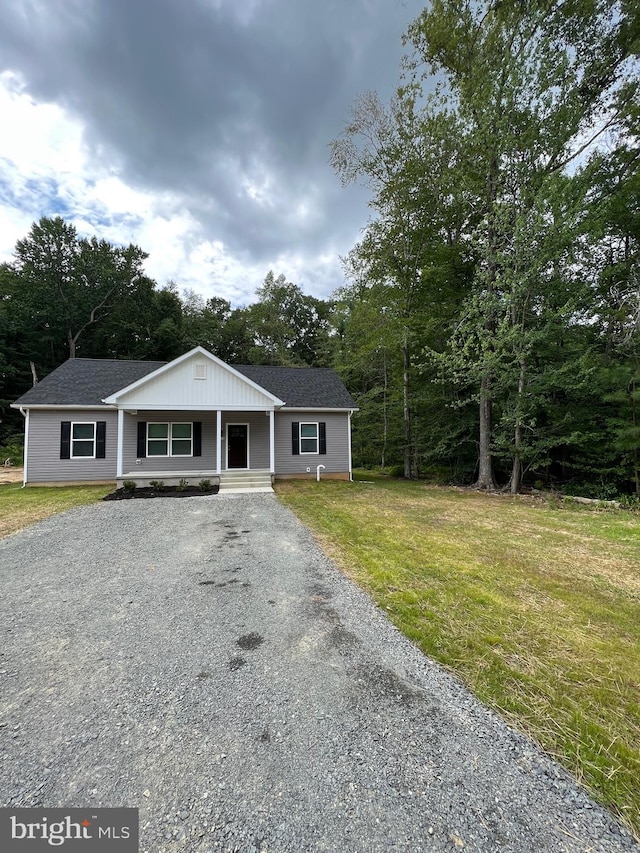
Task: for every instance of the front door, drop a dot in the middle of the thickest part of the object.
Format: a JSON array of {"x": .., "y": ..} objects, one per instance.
[{"x": 237, "y": 455}]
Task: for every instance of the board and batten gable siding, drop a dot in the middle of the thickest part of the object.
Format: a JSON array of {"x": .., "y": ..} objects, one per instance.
[
  {"x": 44, "y": 464},
  {"x": 179, "y": 387},
  {"x": 336, "y": 460}
]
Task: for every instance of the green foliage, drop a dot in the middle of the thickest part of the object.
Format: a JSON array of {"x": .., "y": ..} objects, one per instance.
[
  {"x": 287, "y": 327},
  {"x": 492, "y": 320},
  {"x": 205, "y": 485},
  {"x": 182, "y": 485},
  {"x": 12, "y": 451},
  {"x": 158, "y": 485},
  {"x": 129, "y": 486}
]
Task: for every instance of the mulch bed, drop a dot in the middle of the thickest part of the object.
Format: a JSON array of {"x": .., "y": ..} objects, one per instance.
[{"x": 168, "y": 492}]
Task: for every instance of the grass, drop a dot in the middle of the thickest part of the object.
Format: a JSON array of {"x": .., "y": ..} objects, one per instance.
[
  {"x": 21, "y": 507},
  {"x": 535, "y": 605}
]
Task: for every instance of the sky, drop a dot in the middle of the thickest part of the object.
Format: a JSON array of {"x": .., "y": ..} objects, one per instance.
[{"x": 198, "y": 130}]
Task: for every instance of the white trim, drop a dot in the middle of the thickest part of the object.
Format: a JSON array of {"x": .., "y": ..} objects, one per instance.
[
  {"x": 316, "y": 409},
  {"x": 315, "y": 452},
  {"x": 272, "y": 443},
  {"x": 119, "y": 456},
  {"x": 26, "y": 447},
  {"x": 218, "y": 441},
  {"x": 192, "y": 407},
  {"x": 169, "y": 439},
  {"x": 248, "y": 426},
  {"x": 93, "y": 440},
  {"x": 66, "y": 407},
  {"x": 349, "y": 446},
  {"x": 160, "y": 371}
]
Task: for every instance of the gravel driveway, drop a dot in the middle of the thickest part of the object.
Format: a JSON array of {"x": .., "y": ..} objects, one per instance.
[{"x": 202, "y": 660}]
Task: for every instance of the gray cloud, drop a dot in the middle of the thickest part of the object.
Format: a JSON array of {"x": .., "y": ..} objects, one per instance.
[{"x": 206, "y": 98}]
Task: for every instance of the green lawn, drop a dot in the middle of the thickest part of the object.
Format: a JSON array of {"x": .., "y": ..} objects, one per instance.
[
  {"x": 535, "y": 605},
  {"x": 21, "y": 507}
]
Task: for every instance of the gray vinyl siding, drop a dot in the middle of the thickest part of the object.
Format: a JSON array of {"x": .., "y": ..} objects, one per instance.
[
  {"x": 179, "y": 464},
  {"x": 336, "y": 459},
  {"x": 258, "y": 437},
  {"x": 44, "y": 464}
]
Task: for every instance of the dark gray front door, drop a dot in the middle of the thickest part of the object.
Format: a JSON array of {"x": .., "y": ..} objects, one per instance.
[{"x": 237, "y": 455}]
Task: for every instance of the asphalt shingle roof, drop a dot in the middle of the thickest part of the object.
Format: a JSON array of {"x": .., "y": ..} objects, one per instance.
[
  {"x": 307, "y": 387},
  {"x": 87, "y": 381}
]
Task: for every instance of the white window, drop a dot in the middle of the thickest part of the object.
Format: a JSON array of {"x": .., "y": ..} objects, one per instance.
[
  {"x": 309, "y": 438},
  {"x": 83, "y": 440},
  {"x": 169, "y": 439}
]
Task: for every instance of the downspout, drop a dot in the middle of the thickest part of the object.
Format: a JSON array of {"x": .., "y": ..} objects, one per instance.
[
  {"x": 349, "y": 414},
  {"x": 25, "y": 415},
  {"x": 318, "y": 472}
]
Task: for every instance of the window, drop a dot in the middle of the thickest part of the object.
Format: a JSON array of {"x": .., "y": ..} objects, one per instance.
[
  {"x": 308, "y": 438},
  {"x": 83, "y": 439},
  {"x": 170, "y": 439}
]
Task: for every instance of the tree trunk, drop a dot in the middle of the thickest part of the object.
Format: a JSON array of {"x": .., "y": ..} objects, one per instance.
[
  {"x": 406, "y": 413},
  {"x": 71, "y": 340},
  {"x": 516, "y": 471},
  {"x": 385, "y": 414},
  {"x": 485, "y": 469}
]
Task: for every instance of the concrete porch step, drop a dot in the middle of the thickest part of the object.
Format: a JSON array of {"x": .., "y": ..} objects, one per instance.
[{"x": 238, "y": 482}]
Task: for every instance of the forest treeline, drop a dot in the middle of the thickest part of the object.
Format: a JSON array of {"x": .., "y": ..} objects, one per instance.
[
  {"x": 489, "y": 327},
  {"x": 63, "y": 296}
]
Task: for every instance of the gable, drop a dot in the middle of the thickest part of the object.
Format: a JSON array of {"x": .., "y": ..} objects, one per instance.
[{"x": 195, "y": 380}]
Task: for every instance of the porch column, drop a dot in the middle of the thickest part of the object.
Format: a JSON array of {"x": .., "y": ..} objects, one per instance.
[
  {"x": 272, "y": 443},
  {"x": 120, "y": 439},
  {"x": 218, "y": 441}
]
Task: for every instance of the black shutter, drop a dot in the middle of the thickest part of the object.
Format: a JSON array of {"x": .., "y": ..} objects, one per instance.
[
  {"x": 142, "y": 439},
  {"x": 322, "y": 435},
  {"x": 197, "y": 438},
  {"x": 295, "y": 438},
  {"x": 101, "y": 437},
  {"x": 65, "y": 440}
]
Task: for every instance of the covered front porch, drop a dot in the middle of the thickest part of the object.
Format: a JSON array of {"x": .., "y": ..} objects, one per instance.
[
  {"x": 194, "y": 419},
  {"x": 222, "y": 446}
]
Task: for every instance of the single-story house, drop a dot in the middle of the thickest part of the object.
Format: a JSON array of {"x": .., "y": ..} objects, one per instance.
[{"x": 196, "y": 417}]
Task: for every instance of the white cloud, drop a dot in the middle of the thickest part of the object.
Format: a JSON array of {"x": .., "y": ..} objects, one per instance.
[{"x": 46, "y": 170}]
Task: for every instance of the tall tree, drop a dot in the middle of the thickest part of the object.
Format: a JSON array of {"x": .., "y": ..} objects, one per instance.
[
  {"x": 409, "y": 170},
  {"x": 69, "y": 284},
  {"x": 288, "y": 326},
  {"x": 532, "y": 85}
]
